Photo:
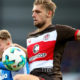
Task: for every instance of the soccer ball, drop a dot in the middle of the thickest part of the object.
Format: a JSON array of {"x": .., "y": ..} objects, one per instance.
[{"x": 14, "y": 58}]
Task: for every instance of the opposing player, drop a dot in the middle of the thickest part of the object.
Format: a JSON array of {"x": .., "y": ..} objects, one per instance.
[
  {"x": 5, "y": 42},
  {"x": 45, "y": 46}
]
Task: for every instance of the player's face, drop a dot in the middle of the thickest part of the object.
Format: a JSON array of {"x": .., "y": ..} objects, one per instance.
[
  {"x": 3, "y": 45},
  {"x": 39, "y": 15}
]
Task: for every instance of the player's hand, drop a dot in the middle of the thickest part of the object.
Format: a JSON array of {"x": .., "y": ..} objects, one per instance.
[
  {"x": 15, "y": 44},
  {"x": 25, "y": 77}
]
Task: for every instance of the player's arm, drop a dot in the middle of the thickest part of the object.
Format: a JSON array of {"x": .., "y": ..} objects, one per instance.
[
  {"x": 26, "y": 77},
  {"x": 21, "y": 47},
  {"x": 2, "y": 66},
  {"x": 78, "y": 35}
]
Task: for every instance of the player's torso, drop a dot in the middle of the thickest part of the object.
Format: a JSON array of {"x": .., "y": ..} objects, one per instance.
[
  {"x": 6, "y": 75},
  {"x": 40, "y": 49},
  {"x": 45, "y": 48}
]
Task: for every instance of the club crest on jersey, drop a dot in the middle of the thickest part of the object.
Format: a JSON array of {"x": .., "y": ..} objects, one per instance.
[
  {"x": 36, "y": 49},
  {"x": 46, "y": 37}
]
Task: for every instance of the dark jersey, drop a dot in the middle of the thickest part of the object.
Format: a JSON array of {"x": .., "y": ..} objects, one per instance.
[{"x": 45, "y": 49}]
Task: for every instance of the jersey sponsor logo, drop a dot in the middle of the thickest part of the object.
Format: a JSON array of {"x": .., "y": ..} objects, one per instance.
[
  {"x": 36, "y": 48},
  {"x": 40, "y": 55}
]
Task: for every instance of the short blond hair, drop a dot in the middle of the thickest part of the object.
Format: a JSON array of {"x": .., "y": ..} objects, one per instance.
[
  {"x": 47, "y": 4},
  {"x": 5, "y": 35}
]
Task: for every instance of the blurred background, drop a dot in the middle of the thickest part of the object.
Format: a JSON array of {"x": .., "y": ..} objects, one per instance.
[{"x": 16, "y": 16}]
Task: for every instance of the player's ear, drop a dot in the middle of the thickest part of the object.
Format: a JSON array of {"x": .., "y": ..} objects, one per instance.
[
  {"x": 8, "y": 43},
  {"x": 49, "y": 13}
]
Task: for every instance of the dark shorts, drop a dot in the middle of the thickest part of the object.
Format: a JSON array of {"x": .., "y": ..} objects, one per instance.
[{"x": 44, "y": 74}]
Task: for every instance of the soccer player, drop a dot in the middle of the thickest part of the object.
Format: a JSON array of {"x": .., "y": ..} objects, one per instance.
[
  {"x": 45, "y": 46},
  {"x": 5, "y": 42}
]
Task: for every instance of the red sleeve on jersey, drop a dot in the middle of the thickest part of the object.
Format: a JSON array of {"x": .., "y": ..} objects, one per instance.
[{"x": 75, "y": 35}]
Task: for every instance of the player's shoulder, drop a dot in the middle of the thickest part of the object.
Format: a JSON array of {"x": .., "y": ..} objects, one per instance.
[{"x": 62, "y": 27}]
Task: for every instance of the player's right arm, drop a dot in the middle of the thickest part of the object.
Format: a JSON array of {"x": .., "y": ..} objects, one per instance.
[{"x": 21, "y": 47}]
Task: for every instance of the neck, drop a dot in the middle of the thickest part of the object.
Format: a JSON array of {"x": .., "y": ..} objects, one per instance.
[{"x": 43, "y": 27}]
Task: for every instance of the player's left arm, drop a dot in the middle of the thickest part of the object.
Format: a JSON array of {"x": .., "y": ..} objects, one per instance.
[{"x": 78, "y": 35}]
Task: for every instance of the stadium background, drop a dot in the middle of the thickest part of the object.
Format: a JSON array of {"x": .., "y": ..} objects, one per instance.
[{"x": 16, "y": 16}]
